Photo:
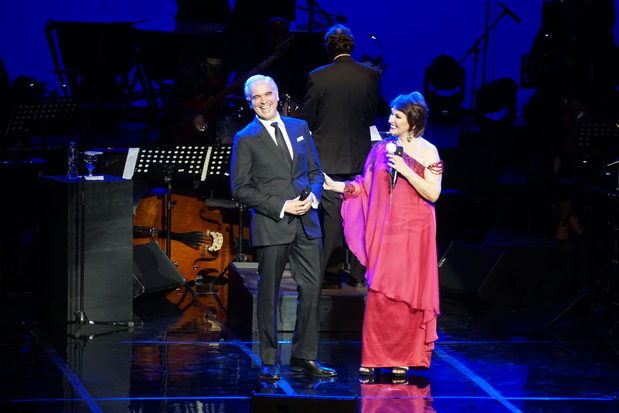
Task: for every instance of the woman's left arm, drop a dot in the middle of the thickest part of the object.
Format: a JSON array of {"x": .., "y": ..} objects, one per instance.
[{"x": 429, "y": 186}]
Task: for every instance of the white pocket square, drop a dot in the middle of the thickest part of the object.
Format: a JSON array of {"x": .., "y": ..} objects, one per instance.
[{"x": 300, "y": 138}]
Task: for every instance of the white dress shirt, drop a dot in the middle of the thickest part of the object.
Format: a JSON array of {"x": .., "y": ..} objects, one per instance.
[{"x": 282, "y": 127}]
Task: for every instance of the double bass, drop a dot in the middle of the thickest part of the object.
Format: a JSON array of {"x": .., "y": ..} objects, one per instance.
[{"x": 199, "y": 248}]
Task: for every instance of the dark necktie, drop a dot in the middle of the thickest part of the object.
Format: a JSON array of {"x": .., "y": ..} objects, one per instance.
[{"x": 281, "y": 144}]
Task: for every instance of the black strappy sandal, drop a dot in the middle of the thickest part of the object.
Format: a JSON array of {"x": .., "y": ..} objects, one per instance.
[
  {"x": 399, "y": 372},
  {"x": 366, "y": 371}
]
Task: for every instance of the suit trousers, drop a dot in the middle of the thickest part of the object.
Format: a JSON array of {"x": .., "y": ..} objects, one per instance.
[
  {"x": 304, "y": 257},
  {"x": 332, "y": 230}
]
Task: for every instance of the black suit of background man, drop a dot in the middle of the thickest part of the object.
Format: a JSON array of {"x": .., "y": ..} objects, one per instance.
[
  {"x": 273, "y": 161},
  {"x": 341, "y": 103}
]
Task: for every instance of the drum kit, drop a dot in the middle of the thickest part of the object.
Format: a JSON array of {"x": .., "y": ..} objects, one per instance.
[{"x": 240, "y": 114}]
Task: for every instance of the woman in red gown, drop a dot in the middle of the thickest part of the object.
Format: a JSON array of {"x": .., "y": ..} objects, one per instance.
[{"x": 390, "y": 226}]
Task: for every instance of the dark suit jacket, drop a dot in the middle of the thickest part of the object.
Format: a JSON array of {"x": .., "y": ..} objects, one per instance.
[
  {"x": 342, "y": 101},
  {"x": 261, "y": 179}
]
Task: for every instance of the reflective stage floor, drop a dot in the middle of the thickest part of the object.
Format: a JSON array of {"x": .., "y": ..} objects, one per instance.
[{"x": 184, "y": 359}]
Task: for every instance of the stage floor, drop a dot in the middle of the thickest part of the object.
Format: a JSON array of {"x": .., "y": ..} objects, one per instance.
[{"x": 182, "y": 358}]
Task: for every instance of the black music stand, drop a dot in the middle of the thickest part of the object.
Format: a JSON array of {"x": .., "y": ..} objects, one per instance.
[
  {"x": 597, "y": 142},
  {"x": 534, "y": 70},
  {"x": 218, "y": 163},
  {"x": 42, "y": 118},
  {"x": 169, "y": 163},
  {"x": 597, "y": 132}
]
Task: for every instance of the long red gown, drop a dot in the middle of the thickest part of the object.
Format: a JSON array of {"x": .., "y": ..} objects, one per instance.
[{"x": 393, "y": 233}]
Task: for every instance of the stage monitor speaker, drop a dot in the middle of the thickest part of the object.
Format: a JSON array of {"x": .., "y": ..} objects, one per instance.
[
  {"x": 153, "y": 271},
  {"x": 295, "y": 404},
  {"x": 467, "y": 270}
]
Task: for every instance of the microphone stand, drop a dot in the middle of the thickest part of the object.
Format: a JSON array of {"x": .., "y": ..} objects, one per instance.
[
  {"x": 475, "y": 50},
  {"x": 484, "y": 54}
]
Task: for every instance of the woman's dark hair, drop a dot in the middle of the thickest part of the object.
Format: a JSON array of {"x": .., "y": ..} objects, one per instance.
[
  {"x": 415, "y": 108},
  {"x": 339, "y": 40}
]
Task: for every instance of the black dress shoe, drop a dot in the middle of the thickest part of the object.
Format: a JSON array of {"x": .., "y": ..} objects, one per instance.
[
  {"x": 269, "y": 372},
  {"x": 329, "y": 283},
  {"x": 355, "y": 282},
  {"x": 311, "y": 367}
]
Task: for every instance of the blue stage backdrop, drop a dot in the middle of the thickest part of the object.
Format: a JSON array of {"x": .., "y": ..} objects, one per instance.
[{"x": 410, "y": 33}]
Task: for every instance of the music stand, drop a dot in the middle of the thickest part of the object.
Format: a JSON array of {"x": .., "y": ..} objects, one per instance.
[
  {"x": 42, "y": 118},
  {"x": 179, "y": 162},
  {"x": 596, "y": 132},
  {"x": 534, "y": 70},
  {"x": 218, "y": 163}
]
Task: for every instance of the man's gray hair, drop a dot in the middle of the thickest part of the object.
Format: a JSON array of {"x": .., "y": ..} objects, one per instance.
[{"x": 256, "y": 78}]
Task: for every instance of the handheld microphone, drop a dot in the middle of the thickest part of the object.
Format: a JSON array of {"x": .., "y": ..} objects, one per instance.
[
  {"x": 509, "y": 12},
  {"x": 305, "y": 193},
  {"x": 394, "y": 149},
  {"x": 302, "y": 197}
]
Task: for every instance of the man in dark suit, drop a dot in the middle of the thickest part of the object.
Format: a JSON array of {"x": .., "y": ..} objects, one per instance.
[
  {"x": 273, "y": 161},
  {"x": 341, "y": 103}
]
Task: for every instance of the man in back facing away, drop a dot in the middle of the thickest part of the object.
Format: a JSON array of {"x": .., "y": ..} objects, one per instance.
[{"x": 341, "y": 103}]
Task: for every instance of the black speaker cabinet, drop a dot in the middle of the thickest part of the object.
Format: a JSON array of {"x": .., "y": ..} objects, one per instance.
[
  {"x": 85, "y": 247},
  {"x": 467, "y": 270},
  {"x": 153, "y": 270}
]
